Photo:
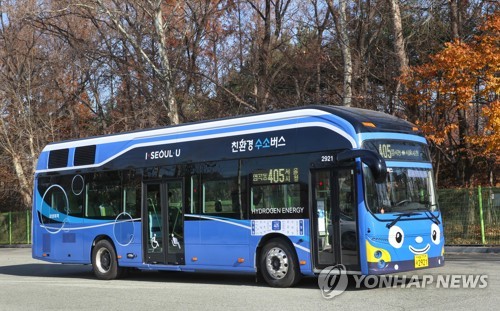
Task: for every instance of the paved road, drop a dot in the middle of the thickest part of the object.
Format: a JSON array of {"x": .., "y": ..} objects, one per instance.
[{"x": 26, "y": 284}]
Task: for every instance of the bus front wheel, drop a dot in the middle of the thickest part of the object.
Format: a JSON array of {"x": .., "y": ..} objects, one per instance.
[
  {"x": 278, "y": 264},
  {"x": 104, "y": 261}
]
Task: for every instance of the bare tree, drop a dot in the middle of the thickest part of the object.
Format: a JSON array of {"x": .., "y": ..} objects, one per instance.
[
  {"x": 342, "y": 31},
  {"x": 21, "y": 76},
  {"x": 272, "y": 15},
  {"x": 366, "y": 38},
  {"x": 202, "y": 35},
  {"x": 320, "y": 24},
  {"x": 163, "y": 15},
  {"x": 455, "y": 19},
  {"x": 399, "y": 49}
]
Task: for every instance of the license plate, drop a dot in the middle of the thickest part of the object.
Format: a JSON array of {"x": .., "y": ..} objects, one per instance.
[{"x": 421, "y": 261}]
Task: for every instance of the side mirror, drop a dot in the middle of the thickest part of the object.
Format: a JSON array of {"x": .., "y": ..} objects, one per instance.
[{"x": 370, "y": 158}]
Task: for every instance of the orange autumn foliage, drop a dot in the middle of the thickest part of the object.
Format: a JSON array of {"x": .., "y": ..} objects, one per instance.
[{"x": 455, "y": 98}]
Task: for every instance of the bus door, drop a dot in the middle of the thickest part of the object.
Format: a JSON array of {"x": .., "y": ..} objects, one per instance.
[
  {"x": 163, "y": 230},
  {"x": 335, "y": 218}
]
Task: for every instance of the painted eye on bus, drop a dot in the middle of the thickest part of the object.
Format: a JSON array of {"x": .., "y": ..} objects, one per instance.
[
  {"x": 396, "y": 236},
  {"x": 435, "y": 234}
]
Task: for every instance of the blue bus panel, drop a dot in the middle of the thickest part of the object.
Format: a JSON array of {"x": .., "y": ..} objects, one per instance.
[{"x": 262, "y": 193}]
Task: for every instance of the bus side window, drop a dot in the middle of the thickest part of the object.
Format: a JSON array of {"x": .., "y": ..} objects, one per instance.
[
  {"x": 275, "y": 196},
  {"x": 224, "y": 196},
  {"x": 103, "y": 196},
  {"x": 131, "y": 199},
  {"x": 217, "y": 196}
]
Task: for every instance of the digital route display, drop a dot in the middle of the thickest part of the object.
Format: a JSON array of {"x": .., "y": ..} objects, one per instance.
[{"x": 276, "y": 176}]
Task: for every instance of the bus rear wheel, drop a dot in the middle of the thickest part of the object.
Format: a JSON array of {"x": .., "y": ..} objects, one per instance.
[
  {"x": 104, "y": 261},
  {"x": 278, "y": 264}
]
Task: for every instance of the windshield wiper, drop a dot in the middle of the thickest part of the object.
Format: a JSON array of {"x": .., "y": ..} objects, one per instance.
[
  {"x": 432, "y": 217},
  {"x": 392, "y": 223}
]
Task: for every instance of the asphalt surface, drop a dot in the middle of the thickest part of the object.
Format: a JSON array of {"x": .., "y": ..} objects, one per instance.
[{"x": 28, "y": 284}]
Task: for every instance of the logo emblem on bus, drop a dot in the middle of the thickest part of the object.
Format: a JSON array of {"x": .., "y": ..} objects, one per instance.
[
  {"x": 154, "y": 242},
  {"x": 276, "y": 225}
]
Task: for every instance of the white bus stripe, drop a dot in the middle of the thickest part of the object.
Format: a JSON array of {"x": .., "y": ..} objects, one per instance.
[{"x": 219, "y": 135}]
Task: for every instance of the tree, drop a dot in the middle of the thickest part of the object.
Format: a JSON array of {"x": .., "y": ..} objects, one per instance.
[
  {"x": 37, "y": 95},
  {"x": 71, "y": 69},
  {"x": 454, "y": 98},
  {"x": 163, "y": 17},
  {"x": 399, "y": 50},
  {"x": 269, "y": 19},
  {"x": 345, "y": 47}
]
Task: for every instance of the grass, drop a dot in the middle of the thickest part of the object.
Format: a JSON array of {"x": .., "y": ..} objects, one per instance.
[
  {"x": 457, "y": 234},
  {"x": 18, "y": 231}
]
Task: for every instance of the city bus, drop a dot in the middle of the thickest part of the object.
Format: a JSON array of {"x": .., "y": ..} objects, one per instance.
[{"x": 281, "y": 195}]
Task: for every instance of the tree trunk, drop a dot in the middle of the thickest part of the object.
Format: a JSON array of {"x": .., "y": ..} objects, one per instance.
[
  {"x": 399, "y": 49},
  {"x": 463, "y": 147},
  {"x": 342, "y": 31},
  {"x": 166, "y": 70},
  {"x": 9, "y": 146},
  {"x": 24, "y": 183},
  {"x": 320, "y": 24},
  {"x": 154, "y": 9},
  {"x": 264, "y": 56},
  {"x": 454, "y": 17}
]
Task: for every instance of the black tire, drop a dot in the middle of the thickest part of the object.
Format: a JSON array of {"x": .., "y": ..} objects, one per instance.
[
  {"x": 278, "y": 264},
  {"x": 104, "y": 261}
]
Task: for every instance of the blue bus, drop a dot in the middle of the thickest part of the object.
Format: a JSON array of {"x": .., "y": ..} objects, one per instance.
[{"x": 281, "y": 195}]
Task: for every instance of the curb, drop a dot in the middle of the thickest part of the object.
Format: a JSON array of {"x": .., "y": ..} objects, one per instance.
[
  {"x": 15, "y": 245},
  {"x": 471, "y": 249}
]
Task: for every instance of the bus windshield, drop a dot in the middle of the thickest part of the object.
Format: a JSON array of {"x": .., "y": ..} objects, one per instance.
[{"x": 405, "y": 189}]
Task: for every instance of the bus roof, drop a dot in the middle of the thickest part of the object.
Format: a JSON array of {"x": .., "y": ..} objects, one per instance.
[
  {"x": 362, "y": 120},
  {"x": 321, "y": 128},
  {"x": 382, "y": 122}
]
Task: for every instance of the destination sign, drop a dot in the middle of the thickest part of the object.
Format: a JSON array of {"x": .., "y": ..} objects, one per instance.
[
  {"x": 397, "y": 150},
  {"x": 276, "y": 176}
]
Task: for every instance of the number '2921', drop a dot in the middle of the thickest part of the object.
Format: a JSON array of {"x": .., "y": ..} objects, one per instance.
[{"x": 327, "y": 158}]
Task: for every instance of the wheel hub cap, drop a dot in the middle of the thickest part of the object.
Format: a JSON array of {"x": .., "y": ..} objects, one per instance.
[
  {"x": 103, "y": 259},
  {"x": 277, "y": 263}
]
